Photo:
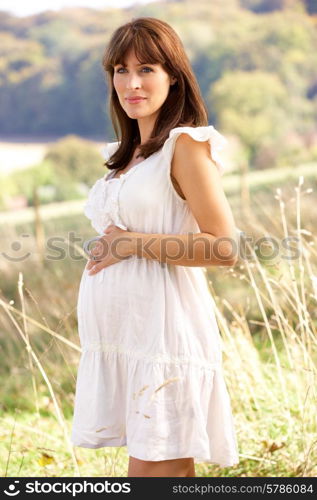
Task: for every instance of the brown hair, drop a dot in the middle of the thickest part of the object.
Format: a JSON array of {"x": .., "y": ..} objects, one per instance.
[{"x": 154, "y": 41}]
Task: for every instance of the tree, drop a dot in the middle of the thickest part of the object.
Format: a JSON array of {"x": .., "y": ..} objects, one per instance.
[
  {"x": 75, "y": 160},
  {"x": 252, "y": 106}
]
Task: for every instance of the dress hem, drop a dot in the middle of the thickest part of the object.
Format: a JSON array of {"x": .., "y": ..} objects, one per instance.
[{"x": 197, "y": 459}]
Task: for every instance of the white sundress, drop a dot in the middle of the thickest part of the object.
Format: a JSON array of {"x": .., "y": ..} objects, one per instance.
[{"x": 150, "y": 373}]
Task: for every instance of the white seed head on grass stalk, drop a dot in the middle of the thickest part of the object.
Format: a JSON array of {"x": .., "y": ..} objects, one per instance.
[
  {"x": 302, "y": 231},
  {"x": 314, "y": 282},
  {"x": 102, "y": 429},
  {"x": 140, "y": 392},
  {"x": 165, "y": 383}
]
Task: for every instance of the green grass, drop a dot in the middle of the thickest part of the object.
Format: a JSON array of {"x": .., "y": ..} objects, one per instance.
[
  {"x": 267, "y": 317},
  {"x": 259, "y": 181}
]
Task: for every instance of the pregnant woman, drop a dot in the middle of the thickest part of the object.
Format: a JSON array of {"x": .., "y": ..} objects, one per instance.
[{"x": 150, "y": 374}]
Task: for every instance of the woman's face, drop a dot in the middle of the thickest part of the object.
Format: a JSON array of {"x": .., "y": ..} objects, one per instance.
[{"x": 150, "y": 81}]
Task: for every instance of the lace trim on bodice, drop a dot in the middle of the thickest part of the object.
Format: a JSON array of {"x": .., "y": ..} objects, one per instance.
[{"x": 102, "y": 206}]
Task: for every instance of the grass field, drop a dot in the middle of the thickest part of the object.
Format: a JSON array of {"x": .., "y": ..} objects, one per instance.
[{"x": 267, "y": 315}]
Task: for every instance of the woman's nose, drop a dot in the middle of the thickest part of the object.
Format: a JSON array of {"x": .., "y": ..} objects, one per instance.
[{"x": 133, "y": 81}]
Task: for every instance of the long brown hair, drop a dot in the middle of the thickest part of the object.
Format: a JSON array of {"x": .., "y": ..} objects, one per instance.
[{"x": 154, "y": 41}]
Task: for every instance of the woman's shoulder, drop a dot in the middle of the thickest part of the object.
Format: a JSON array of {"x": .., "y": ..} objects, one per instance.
[{"x": 217, "y": 142}]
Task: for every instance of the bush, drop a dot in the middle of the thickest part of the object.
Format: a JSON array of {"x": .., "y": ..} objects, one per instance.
[
  {"x": 69, "y": 168},
  {"x": 75, "y": 160}
]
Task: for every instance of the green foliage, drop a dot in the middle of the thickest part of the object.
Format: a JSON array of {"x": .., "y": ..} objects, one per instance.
[
  {"x": 250, "y": 105},
  {"x": 23, "y": 182},
  {"x": 26, "y": 180},
  {"x": 52, "y": 80},
  {"x": 75, "y": 160},
  {"x": 262, "y": 6},
  {"x": 57, "y": 36},
  {"x": 68, "y": 170},
  {"x": 269, "y": 360},
  {"x": 19, "y": 59}
]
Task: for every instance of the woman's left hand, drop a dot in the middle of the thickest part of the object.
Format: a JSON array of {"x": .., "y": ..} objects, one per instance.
[{"x": 111, "y": 248}]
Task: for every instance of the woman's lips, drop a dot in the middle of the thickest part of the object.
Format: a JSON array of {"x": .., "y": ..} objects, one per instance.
[{"x": 135, "y": 101}]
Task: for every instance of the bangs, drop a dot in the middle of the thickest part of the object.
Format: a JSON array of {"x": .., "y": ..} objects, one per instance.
[
  {"x": 147, "y": 49},
  {"x": 152, "y": 41}
]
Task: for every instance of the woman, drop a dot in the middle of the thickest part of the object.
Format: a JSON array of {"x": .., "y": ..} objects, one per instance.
[{"x": 150, "y": 374}]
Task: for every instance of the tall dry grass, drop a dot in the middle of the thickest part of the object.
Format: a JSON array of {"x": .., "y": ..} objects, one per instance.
[{"x": 266, "y": 311}]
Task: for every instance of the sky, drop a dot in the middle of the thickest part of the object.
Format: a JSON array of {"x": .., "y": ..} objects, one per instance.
[{"x": 28, "y": 7}]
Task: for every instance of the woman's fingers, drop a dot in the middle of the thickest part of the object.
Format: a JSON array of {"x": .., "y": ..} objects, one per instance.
[
  {"x": 96, "y": 250},
  {"x": 95, "y": 264},
  {"x": 95, "y": 269}
]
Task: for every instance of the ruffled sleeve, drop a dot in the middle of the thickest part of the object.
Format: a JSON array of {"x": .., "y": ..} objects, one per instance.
[
  {"x": 217, "y": 144},
  {"x": 216, "y": 140},
  {"x": 91, "y": 200},
  {"x": 109, "y": 149}
]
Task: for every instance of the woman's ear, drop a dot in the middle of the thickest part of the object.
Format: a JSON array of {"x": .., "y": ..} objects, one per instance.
[{"x": 173, "y": 80}]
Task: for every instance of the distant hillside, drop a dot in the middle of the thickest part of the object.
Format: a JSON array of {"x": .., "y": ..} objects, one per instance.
[{"x": 255, "y": 61}]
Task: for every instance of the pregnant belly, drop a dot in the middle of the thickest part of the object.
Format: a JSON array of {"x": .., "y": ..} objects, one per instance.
[
  {"x": 141, "y": 305},
  {"x": 121, "y": 303}
]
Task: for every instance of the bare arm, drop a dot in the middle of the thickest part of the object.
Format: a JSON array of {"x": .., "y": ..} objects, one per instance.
[
  {"x": 200, "y": 182},
  {"x": 194, "y": 250}
]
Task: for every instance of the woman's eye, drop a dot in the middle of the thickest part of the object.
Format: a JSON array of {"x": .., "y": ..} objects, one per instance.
[{"x": 146, "y": 67}]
